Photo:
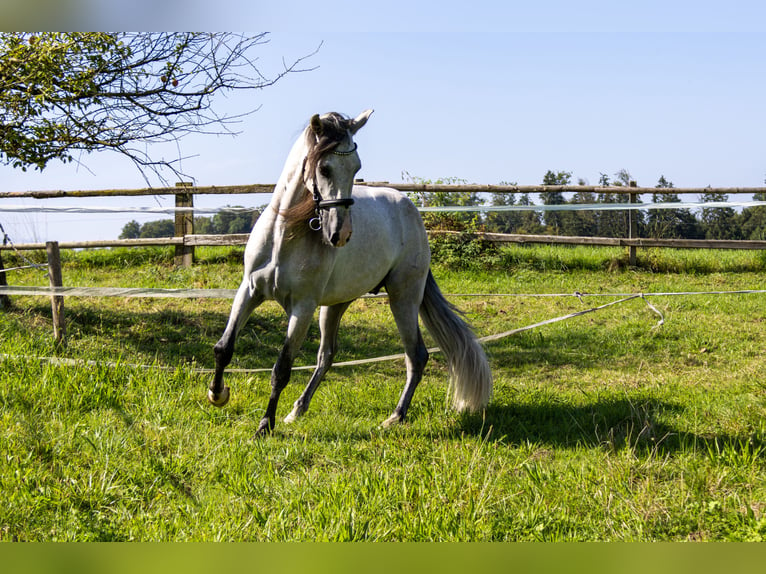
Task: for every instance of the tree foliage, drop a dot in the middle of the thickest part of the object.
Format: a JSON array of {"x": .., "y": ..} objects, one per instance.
[
  {"x": 65, "y": 93},
  {"x": 555, "y": 220},
  {"x": 670, "y": 223},
  {"x": 222, "y": 223},
  {"x": 445, "y": 220}
]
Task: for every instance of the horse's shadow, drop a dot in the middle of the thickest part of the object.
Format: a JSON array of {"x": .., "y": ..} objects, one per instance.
[{"x": 611, "y": 424}]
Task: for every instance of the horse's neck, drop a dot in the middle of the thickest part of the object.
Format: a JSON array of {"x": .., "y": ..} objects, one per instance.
[
  {"x": 290, "y": 189},
  {"x": 289, "y": 192}
]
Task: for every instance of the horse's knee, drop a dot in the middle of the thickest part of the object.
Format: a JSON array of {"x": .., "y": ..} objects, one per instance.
[
  {"x": 224, "y": 350},
  {"x": 280, "y": 374}
]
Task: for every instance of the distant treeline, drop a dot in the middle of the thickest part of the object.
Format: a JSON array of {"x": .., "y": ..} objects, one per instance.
[
  {"x": 681, "y": 223},
  {"x": 219, "y": 224}
]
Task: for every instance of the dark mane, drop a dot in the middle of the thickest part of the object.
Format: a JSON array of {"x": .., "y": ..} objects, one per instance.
[{"x": 333, "y": 130}]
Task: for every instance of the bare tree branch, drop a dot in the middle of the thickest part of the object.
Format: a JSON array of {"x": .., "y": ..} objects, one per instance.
[{"x": 80, "y": 92}]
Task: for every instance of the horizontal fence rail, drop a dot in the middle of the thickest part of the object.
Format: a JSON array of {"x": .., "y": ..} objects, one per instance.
[
  {"x": 241, "y": 239},
  {"x": 405, "y": 187},
  {"x": 185, "y": 239},
  {"x": 613, "y": 241},
  {"x": 180, "y": 190}
]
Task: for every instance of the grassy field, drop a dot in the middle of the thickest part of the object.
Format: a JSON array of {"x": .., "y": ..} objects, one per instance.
[{"x": 602, "y": 427}]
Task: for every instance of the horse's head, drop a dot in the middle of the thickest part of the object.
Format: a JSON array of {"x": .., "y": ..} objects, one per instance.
[{"x": 329, "y": 170}]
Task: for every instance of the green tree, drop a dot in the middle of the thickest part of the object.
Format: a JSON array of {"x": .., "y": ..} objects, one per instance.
[
  {"x": 158, "y": 228},
  {"x": 202, "y": 226},
  {"x": 670, "y": 223},
  {"x": 131, "y": 230},
  {"x": 446, "y": 220},
  {"x": 613, "y": 223},
  {"x": 503, "y": 221},
  {"x": 582, "y": 223},
  {"x": 227, "y": 222},
  {"x": 530, "y": 221},
  {"x": 609, "y": 223},
  {"x": 555, "y": 220},
  {"x": 752, "y": 220},
  {"x": 222, "y": 223},
  {"x": 67, "y": 93},
  {"x": 719, "y": 222}
]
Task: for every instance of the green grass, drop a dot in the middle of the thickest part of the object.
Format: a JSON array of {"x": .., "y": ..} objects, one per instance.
[{"x": 601, "y": 427}]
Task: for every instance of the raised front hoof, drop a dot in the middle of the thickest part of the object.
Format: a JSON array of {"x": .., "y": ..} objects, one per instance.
[
  {"x": 219, "y": 399},
  {"x": 393, "y": 420}
]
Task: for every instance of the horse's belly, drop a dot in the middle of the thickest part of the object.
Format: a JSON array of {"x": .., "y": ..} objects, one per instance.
[
  {"x": 361, "y": 266},
  {"x": 352, "y": 279}
]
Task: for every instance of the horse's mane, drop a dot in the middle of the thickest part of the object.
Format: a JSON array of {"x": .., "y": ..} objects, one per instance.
[{"x": 321, "y": 138}]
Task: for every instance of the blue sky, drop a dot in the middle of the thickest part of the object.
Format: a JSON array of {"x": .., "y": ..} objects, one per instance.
[{"x": 487, "y": 92}]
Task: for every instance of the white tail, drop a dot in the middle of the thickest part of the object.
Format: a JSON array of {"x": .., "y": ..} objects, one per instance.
[{"x": 470, "y": 374}]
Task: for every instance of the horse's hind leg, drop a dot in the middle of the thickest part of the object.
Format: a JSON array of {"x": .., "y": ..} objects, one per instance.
[
  {"x": 245, "y": 301},
  {"x": 329, "y": 322},
  {"x": 416, "y": 354}
]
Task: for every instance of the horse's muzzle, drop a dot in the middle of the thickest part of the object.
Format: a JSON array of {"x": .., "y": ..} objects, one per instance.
[{"x": 341, "y": 237}]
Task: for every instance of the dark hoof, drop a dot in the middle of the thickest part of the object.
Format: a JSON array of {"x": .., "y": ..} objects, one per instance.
[
  {"x": 219, "y": 399},
  {"x": 265, "y": 428}
]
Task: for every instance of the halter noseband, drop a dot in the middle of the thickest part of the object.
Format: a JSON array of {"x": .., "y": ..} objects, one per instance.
[{"x": 315, "y": 223}]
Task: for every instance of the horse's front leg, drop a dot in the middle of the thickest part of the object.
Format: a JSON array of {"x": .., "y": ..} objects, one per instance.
[
  {"x": 245, "y": 301},
  {"x": 297, "y": 328}
]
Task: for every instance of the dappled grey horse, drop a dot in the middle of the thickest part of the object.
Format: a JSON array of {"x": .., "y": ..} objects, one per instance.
[{"x": 301, "y": 254}]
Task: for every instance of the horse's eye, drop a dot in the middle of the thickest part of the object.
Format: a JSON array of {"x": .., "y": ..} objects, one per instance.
[{"x": 325, "y": 171}]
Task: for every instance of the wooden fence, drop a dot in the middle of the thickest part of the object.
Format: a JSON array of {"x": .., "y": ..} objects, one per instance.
[{"x": 185, "y": 240}]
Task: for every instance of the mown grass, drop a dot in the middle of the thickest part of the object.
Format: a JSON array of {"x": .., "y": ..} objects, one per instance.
[{"x": 602, "y": 427}]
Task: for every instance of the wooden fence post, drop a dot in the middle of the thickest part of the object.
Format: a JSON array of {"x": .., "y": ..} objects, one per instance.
[
  {"x": 57, "y": 301},
  {"x": 5, "y": 301},
  {"x": 632, "y": 226},
  {"x": 184, "y": 225}
]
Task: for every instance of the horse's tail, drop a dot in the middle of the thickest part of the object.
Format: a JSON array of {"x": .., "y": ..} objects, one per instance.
[{"x": 470, "y": 375}]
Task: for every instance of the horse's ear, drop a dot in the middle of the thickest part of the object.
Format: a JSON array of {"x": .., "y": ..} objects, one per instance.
[
  {"x": 316, "y": 125},
  {"x": 359, "y": 121}
]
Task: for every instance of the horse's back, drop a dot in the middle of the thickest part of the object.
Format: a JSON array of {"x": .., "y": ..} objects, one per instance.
[{"x": 387, "y": 218}]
